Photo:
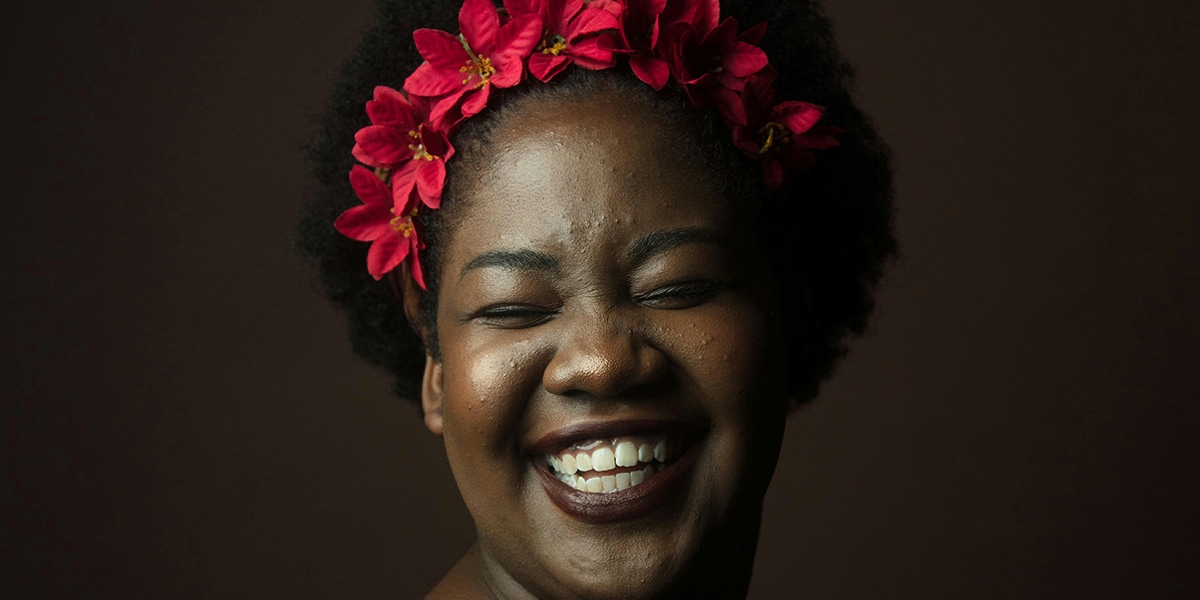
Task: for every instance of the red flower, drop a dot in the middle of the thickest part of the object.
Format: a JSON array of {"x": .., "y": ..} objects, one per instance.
[
  {"x": 645, "y": 26},
  {"x": 783, "y": 135},
  {"x": 713, "y": 64},
  {"x": 573, "y": 31},
  {"x": 460, "y": 70},
  {"x": 394, "y": 236},
  {"x": 640, "y": 31},
  {"x": 402, "y": 142}
]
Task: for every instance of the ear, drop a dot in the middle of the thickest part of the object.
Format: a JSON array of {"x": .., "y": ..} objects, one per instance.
[{"x": 431, "y": 395}]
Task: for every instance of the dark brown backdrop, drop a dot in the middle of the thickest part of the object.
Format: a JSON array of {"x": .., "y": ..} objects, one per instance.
[{"x": 183, "y": 416}]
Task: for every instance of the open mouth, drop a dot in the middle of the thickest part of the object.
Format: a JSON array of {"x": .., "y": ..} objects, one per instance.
[
  {"x": 615, "y": 471},
  {"x": 610, "y": 465}
]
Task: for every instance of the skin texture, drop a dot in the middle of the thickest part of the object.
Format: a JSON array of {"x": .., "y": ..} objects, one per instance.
[{"x": 587, "y": 333}]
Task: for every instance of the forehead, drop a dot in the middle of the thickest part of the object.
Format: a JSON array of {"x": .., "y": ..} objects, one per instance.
[{"x": 589, "y": 175}]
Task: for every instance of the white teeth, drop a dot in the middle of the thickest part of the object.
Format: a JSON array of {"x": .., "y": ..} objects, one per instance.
[
  {"x": 603, "y": 459},
  {"x": 627, "y": 455},
  {"x": 645, "y": 453},
  {"x": 600, "y": 457},
  {"x": 623, "y": 481},
  {"x": 583, "y": 462}
]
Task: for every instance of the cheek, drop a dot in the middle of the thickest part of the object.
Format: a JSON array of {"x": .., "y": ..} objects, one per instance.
[
  {"x": 730, "y": 358},
  {"x": 725, "y": 353},
  {"x": 487, "y": 385}
]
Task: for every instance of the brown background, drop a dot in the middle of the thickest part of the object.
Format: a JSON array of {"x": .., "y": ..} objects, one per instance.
[{"x": 183, "y": 416}]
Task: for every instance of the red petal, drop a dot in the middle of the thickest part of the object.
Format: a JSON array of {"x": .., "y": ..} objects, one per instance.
[
  {"x": 744, "y": 60},
  {"x": 722, "y": 35},
  {"x": 479, "y": 21},
  {"x": 772, "y": 174},
  {"x": 650, "y": 69},
  {"x": 442, "y": 50},
  {"x": 546, "y": 66},
  {"x": 593, "y": 20},
  {"x": 730, "y": 104},
  {"x": 404, "y": 180},
  {"x": 612, "y": 7},
  {"x": 387, "y": 252},
  {"x": 746, "y": 139},
  {"x": 754, "y": 35},
  {"x": 414, "y": 269},
  {"x": 567, "y": 9},
  {"x": 475, "y": 102},
  {"x": 797, "y": 116},
  {"x": 436, "y": 143},
  {"x": 697, "y": 91},
  {"x": 428, "y": 81},
  {"x": 514, "y": 43},
  {"x": 767, "y": 74},
  {"x": 706, "y": 15},
  {"x": 363, "y": 158},
  {"x": 431, "y": 178},
  {"x": 390, "y": 107},
  {"x": 757, "y": 98},
  {"x": 517, "y": 8},
  {"x": 594, "y": 54},
  {"x": 365, "y": 222},
  {"x": 386, "y": 145},
  {"x": 369, "y": 188},
  {"x": 446, "y": 113},
  {"x": 726, "y": 80}
]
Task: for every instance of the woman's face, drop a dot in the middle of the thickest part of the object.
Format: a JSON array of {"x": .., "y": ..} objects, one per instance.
[{"x": 609, "y": 390}]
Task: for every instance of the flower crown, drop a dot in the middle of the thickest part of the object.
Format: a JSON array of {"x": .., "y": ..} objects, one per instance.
[{"x": 407, "y": 145}]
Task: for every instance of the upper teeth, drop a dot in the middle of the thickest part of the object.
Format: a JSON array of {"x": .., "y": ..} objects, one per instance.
[{"x": 582, "y": 468}]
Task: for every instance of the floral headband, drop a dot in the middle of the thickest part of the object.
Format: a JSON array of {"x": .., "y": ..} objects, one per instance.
[{"x": 407, "y": 145}]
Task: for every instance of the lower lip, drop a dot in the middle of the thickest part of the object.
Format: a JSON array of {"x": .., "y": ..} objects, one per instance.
[{"x": 629, "y": 503}]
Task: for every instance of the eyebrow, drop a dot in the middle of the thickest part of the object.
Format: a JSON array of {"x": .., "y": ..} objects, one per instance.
[
  {"x": 512, "y": 260},
  {"x": 658, "y": 242}
]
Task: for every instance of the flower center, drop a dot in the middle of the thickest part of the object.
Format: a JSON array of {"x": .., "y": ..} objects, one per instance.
[
  {"x": 552, "y": 44},
  {"x": 402, "y": 224},
  {"x": 418, "y": 149},
  {"x": 772, "y": 134},
  {"x": 480, "y": 66}
]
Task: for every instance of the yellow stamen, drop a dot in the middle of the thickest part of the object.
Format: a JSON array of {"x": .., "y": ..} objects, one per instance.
[
  {"x": 477, "y": 66},
  {"x": 775, "y": 134},
  {"x": 403, "y": 224},
  {"x": 419, "y": 151},
  {"x": 552, "y": 44}
]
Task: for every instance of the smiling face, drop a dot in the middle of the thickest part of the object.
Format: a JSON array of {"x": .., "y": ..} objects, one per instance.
[{"x": 609, "y": 387}]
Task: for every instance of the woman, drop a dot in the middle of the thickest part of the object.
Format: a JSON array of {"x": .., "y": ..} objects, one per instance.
[{"x": 612, "y": 244}]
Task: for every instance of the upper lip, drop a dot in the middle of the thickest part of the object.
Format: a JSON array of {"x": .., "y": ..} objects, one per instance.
[{"x": 563, "y": 437}]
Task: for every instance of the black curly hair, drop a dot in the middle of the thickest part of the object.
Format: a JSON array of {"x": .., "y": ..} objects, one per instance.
[{"x": 830, "y": 236}]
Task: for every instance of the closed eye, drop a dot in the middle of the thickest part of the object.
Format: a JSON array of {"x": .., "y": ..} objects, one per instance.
[
  {"x": 680, "y": 295},
  {"x": 512, "y": 316}
]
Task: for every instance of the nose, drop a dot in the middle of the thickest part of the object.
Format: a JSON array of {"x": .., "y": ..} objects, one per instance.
[{"x": 605, "y": 356}]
